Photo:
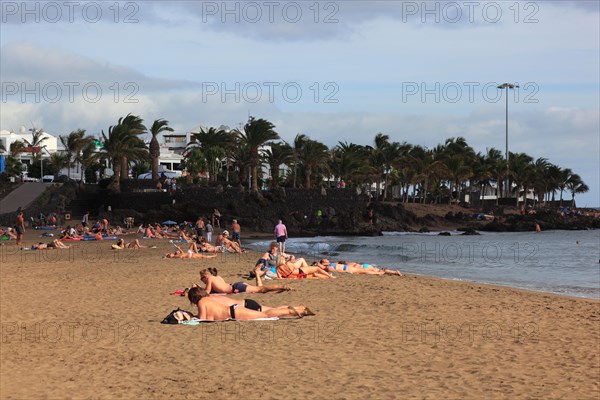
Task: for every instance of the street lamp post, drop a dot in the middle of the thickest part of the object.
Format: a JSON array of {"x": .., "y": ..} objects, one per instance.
[
  {"x": 507, "y": 86},
  {"x": 42, "y": 163}
]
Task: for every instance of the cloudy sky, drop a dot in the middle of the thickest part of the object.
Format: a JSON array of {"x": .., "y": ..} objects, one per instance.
[{"x": 417, "y": 71}]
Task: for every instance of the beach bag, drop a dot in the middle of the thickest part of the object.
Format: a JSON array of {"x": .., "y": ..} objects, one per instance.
[{"x": 177, "y": 316}]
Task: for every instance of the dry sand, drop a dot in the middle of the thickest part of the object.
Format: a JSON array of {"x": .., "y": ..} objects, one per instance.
[{"x": 85, "y": 323}]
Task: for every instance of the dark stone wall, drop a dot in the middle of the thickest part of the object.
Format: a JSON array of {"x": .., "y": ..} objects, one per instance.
[{"x": 341, "y": 210}]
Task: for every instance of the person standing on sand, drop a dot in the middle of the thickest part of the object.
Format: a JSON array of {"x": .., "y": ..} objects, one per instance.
[
  {"x": 281, "y": 235},
  {"x": 85, "y": 220},
  {"x": 209, "y": 231},
  {"x": 20, "y": 227},
  {"x": 200, "y": 227},
  {"x": 236, "y": 230},
  {"x": 216, "y": 218}
]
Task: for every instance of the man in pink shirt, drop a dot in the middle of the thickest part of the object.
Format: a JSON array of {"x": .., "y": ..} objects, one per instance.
[{"x": 281, "y": 235}]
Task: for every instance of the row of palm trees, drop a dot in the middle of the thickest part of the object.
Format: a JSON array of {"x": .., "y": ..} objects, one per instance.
[
  {"x": 439, "y": 174},
  {"x": 414, "y": 173}
]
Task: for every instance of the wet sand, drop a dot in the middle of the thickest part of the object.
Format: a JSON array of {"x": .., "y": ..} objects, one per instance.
[{"x": 85, "y": 323}]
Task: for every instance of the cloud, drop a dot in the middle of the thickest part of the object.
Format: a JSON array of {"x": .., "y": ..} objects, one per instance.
[{"x": 28, "y": 63}]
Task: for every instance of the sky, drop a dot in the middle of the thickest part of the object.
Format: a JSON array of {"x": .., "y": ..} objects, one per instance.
[{"x": 337, "y": 71}]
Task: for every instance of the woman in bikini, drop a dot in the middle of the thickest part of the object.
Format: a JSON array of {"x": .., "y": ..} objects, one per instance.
[
  {"x": 355, "y": 268},
  {"x": 299, "y": 269},
  {"x": 195, "y": 294},
  {"x": 133, "y": 245},
  {"x": 191, "y": 253}
]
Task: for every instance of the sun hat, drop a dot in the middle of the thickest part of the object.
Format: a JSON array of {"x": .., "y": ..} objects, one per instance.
[{"x": 225, "y": 232}]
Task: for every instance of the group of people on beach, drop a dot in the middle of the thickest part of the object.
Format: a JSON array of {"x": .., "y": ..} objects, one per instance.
[{"x": 213, "y": 304}]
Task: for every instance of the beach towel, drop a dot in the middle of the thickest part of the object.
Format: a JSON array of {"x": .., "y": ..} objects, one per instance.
[
  {"x": 73, "y": 239},
  {"x": 103, "y": 238}
]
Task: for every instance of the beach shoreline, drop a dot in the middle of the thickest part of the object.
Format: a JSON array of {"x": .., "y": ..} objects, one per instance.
[{"x": 85, "y": 322}]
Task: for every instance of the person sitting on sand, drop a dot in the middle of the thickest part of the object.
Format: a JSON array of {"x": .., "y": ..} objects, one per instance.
[
  {"x": 184, "y": 238},
  {"x": 299, "y": 269},
  {"x": 209, "y": 248},
  {"x": 10, "y": 233},
  {"x": 191, "y": 253},
  {"x": 226, "y": 244},
  {"x": 237, "y": 308},
  {"x": 216, "y": 284},
  {"x": 67, "y": 233},
  {"x": 268, "y": 261},
  {"x": 355, "y": 268}
]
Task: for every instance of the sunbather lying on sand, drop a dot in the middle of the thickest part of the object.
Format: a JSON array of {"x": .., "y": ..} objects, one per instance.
[
  {"x": 133, "y": 245},
  {"x": 195, "y": 294},
  {"x": 216, "y": 284},
  {"x": 355, "y": 268},
  {"x": 191, "y": 253},
  {"x": 55, "y": 244},
  {"x": 298, "y": 269}
]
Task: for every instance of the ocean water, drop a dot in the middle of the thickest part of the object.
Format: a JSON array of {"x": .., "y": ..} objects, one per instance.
[{"x": 561, "y": 262}]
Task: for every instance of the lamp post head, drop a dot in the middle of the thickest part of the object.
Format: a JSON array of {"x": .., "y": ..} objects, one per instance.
[{"x": 507, "y": 86}]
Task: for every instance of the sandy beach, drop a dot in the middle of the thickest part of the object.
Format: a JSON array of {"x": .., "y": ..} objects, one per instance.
[{"x": 85, "y": 323}]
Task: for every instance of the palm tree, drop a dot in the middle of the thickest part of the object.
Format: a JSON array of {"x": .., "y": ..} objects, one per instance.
[
  {"x": 194, "y": 161},
  {"x": 565, "y": 176},
  {"x": 132, "y": 126},
  {"x": 257, "y": 133},
  {"x": 73, "y": 144},
  {"x": 313, "y": 155},
  {"x": 85, "y": 156},
  {"x": 522, "y": 171},
  {"x": 121, "y": 145},
  {"x": 17, "y": 147},
  {"x": 541, "y": 178},
  {"x": 37, "y": 138},
  {"x": 346, "y": 160},
  {"x": 214, "y": 144},
  {"x": 158, "y": 126},
  {"x": 279, "y": 154},
  {"x": 299, "y": 141},
  {"x": 57, "y": 162},
  {"x": 576, "y": 185}
]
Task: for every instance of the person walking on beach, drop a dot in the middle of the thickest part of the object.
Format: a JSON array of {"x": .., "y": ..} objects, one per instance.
[
  {"x": 85, "y": 220},
  {"x": 19, "y": 227},
  {"x": 281, "y": 235},
  {"x": 236, "y": 231}
]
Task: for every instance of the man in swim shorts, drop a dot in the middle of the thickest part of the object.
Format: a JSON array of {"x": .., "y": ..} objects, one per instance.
[
  {"x": 216, "y": 284},
  {"x": 281, "y": 235}
]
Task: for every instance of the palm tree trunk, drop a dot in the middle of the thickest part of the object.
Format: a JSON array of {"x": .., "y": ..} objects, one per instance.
[
  {"x": 154, "y": 168},
  {"x": 295, "y": 172},
  {"x": 124, "y": 174},
  {"x": 254, "y": 178}
]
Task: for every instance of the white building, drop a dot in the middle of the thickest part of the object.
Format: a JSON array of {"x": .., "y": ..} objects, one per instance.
[{"x": 48, "y": 146}]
